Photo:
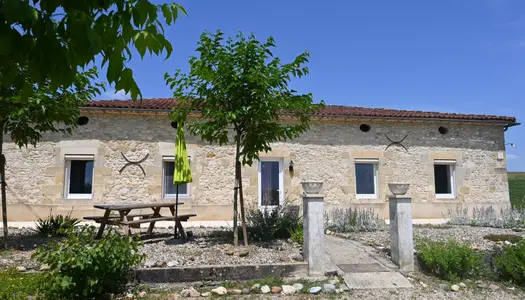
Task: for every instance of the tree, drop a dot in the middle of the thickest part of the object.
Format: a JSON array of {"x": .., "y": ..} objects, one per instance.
[
  {"x": 54, "y": 39},
  {"x": 45, "y": 47},
  {"x": 47, "y": 110},
  {"x": 239, "y": 85}
]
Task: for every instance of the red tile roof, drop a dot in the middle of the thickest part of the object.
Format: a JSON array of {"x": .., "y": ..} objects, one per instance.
[{"x": 328, "y": 111}]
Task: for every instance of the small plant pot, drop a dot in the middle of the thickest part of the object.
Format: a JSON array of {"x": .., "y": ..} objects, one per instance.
[
  {"x": 312, "y": 187},
  {"x": 398, "y": 189}
]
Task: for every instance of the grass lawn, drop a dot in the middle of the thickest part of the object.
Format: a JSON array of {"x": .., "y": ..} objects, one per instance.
[
  {"x": 516, "y": 175},
  {"x": 18, "y": 286},
  {"x": 517, "y": 189}
]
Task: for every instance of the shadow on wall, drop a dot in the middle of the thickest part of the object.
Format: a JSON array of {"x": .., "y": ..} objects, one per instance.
[{"x": 19, "y": 201}]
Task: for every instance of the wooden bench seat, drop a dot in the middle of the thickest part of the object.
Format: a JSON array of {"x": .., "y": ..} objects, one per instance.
[
  {"x": 180, "y": 218},
  {"x": 115, "y": 219},
  {"x": 98, "y": 218}
]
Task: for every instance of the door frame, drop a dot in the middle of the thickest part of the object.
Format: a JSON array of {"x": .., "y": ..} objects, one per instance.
[{"x": 259, "y": 181}]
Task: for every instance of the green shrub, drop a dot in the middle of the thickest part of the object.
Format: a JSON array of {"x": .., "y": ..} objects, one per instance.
[
  {"x": 58, "y": 225},
  {"x": 271, "y": 224},
  {"x": 18, "y": 286},
  {"x": 353, "y": 220},
  {"x": 503, "y": 237},
  {"x": 507, "y": 217},
  {"x": 517, "y": 192},
  {"x": 297, "y": 235},
  {"x": 448, "y": 260},
  {"x": 510, "y": 263},
  {"x": 82, "y": 267}
]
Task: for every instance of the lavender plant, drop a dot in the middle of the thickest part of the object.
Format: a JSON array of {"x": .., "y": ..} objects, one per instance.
[
  {"x": 353, "y": 220},
  {"x": 487, "y": 217}
]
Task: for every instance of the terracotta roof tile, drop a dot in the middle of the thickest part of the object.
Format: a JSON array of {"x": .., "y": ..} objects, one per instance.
[{"x": 329, "y": 110}]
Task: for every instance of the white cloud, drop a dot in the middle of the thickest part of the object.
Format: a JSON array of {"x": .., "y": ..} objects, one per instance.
[
  {"x": 512, "y": 156},
  {"x": 116, "y": 95}
]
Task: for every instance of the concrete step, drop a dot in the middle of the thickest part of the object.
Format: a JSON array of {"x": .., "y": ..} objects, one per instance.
[
  {"x": 376, "y": 280},
  {"x": 363, "y": 268}
]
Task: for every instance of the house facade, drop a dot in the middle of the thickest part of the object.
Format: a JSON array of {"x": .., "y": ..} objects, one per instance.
[{"x": 125, "y": 151}]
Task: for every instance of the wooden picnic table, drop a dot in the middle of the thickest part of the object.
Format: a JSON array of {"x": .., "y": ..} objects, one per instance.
[{"x": 125, "y": 219}]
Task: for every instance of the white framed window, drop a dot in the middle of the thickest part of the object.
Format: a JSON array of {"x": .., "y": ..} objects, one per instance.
[
  {"x": 366, "y": 178},
  {"x": 169, "y": 190},
  {"x": 271, "y": 183},
  {"x": 79, "y": 176},
  {"x": 444, "y": 179}
]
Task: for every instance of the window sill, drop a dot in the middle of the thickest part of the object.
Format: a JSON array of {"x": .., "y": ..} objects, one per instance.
[
  {"x": 366, "y": 197},
  {"x": 175, "y": 197},
  {"x": 79, "y": 197},
  {"x": 444, "y": 196},
  {"x": 268, "y": 207}
]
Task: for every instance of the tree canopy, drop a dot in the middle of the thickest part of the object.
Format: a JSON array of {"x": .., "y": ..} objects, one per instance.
[
  {"x": 54, "y": 39},
  {"x": 47, "y": 110},
  {"x": 237, "y": 84}
]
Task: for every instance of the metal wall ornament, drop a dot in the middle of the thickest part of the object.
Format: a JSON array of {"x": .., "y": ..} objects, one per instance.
[
  {"x": 396, "y": 143},
  {"x": 135, "y": 163}
]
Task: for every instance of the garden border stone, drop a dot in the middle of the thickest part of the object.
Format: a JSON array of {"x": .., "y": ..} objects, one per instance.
[{"x": 218, "y": 272}]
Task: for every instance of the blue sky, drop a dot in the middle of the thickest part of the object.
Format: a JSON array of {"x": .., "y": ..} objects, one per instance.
[{"x": 453, "y": 56}]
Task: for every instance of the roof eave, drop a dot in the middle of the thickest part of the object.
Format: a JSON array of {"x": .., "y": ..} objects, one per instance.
[{"x": 508, "y": 123}]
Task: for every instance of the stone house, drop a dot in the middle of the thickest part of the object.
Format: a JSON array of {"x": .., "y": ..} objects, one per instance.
[{"x": 448, "y": 159}]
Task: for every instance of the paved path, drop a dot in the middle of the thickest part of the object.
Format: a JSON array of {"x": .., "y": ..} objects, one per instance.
[{"x": 362, "y": 266}]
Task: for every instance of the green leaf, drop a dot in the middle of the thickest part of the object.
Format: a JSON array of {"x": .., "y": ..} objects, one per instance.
[
  {"x": 141, "y": 43},
  {"x": 65, "y": 282},
  {"x": 10, "y": 10},
  {"x": 116, "y": 63},
  {"x": 181, "y": 9},
  {"x": 167, "y": 13},
  {"x": 175, "y": 11},
  {"x": 136, "y": 17},
  {"x": 5, "y": 43}
]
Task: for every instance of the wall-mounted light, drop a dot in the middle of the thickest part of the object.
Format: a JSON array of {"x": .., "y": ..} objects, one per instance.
[
  {"x": 290, "y": 167},
  {"x": 511, "y": 144}
]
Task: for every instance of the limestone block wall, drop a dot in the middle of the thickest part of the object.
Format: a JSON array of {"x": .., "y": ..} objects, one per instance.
[{"x": 35, "y": 175}]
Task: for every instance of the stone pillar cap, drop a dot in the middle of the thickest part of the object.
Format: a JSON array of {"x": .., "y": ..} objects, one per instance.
[
  {"x": 305, "y": 195},
  {"x": 393, "y": 197}
]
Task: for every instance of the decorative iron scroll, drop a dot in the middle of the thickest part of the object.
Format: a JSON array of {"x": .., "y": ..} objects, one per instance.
[
  {"x": 398, "y": 143},
  {"x": 136, "y": 163}
]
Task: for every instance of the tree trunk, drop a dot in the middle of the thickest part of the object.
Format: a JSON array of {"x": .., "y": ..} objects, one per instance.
[
  {"x": 3, "y": 184},
  {"x": 241, "y": 200},
  {"x": 235, "y": 213},
  {"x": 236, "y": 190}
]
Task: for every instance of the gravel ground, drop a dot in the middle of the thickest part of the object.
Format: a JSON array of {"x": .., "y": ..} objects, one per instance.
[
  {"x": 427, "y": 287},
  {"x": 465, "y": 234},
  {"x": 209, "y": 246},
  {"x": 212, "y": 247}
]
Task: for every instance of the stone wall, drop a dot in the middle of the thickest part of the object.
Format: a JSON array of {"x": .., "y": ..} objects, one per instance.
[{"x": 35, "y": 176}]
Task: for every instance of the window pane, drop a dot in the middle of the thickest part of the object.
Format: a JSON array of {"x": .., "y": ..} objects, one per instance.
[
  {"x": 365, "y": 179},
  {"x": 270, "y": 183},
  {"x": 81, "y": 177},
  {"x": 169, "y": 188},
  {"x": 442, "y": 179}
]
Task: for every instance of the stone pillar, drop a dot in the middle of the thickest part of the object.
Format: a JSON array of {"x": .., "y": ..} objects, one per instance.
[
  {"x": 401, "y": 240},
  {"x": 313, "y": 227}
]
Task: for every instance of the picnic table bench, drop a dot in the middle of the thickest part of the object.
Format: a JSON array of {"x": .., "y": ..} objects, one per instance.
[{"x": 127, "y": 220}]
